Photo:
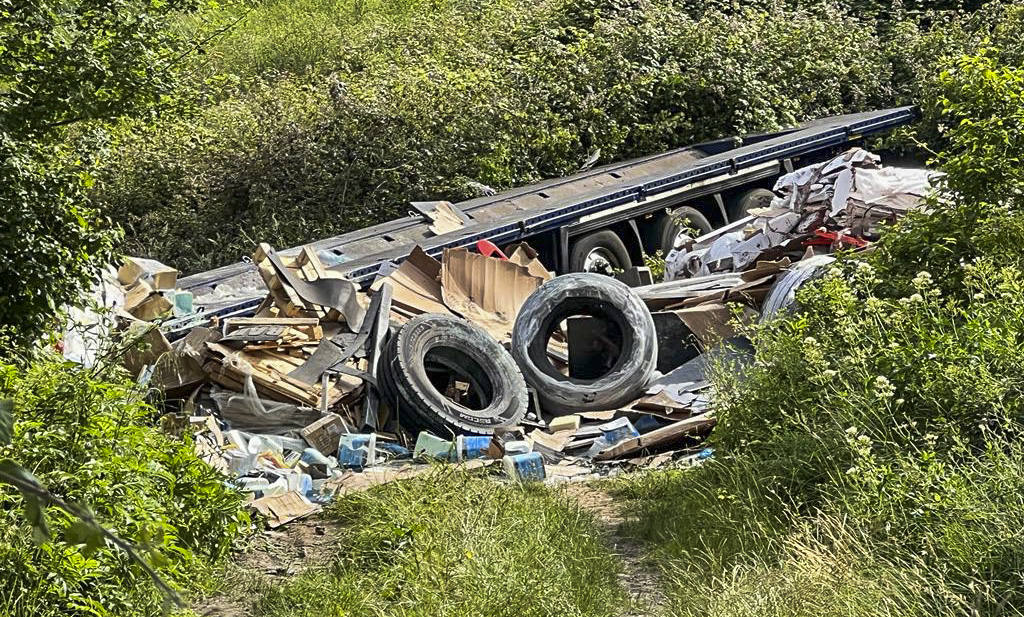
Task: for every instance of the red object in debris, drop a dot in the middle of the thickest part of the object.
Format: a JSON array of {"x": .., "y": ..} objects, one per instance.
[
  {"x": 823, "y": 237},
  {"x": 488, "y": 249}
]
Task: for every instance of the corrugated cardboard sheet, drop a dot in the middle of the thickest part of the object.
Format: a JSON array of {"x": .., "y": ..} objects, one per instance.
[
  {"x": 280, "y": 509},
  {"x": 485, "y": 290},
  {"x": 416, "y": 285}
]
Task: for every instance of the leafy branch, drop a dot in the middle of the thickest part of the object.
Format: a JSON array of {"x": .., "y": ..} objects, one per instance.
[{"x": 86, "y": 530}]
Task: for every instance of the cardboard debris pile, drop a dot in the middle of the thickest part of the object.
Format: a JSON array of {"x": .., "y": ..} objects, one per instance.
[{"x": 326, "y": 388}]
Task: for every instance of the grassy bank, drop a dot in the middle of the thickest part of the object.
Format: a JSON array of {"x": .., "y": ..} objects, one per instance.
[
  {"x": 449, "y": 544},
  {"x": 870, "y": 462}
]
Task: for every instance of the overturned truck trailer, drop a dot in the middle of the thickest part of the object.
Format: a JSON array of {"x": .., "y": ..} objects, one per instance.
[
  {"x": 460, "y": 355},
  {"x": 604, "y": 218}
]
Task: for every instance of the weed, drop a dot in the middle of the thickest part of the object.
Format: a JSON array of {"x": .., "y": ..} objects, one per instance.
[{"x": 449, "y": 544}]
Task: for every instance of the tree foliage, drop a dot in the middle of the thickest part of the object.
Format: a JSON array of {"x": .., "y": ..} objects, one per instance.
[
  {"x": 65, "y": 63},
  {"x": 88, "y": 437}
]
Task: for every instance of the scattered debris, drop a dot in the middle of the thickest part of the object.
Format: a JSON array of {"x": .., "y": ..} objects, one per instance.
[
  {"x": 324, "y": 388},
  {"x": 841, "y": 203}
]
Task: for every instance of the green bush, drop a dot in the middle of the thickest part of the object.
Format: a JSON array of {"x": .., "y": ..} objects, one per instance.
[
  {"x": 89, "y": 438},
  {"x": 297, "y": 137},
  {"x": 869, "y": 462}
]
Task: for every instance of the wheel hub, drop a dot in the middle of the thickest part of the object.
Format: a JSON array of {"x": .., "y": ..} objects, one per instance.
[{"x": 599, "y": 260}]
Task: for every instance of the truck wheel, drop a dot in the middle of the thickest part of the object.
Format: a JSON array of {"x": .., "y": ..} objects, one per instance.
[
  {"x": 684, "y": 221},
  {"x": 743, "y": 203},
  {"x": 602, "y": 252},
  {"x": 595, "y": 296},
  {"x": 446, "y": 375}
]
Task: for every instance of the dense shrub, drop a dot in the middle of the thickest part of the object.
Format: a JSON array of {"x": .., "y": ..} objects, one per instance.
[
  {"x": 296, "y": 137},
  {"x": 870, "y": 459},
  {"x": 66, "y": 64},
  {"x": 89, "y": 438}
]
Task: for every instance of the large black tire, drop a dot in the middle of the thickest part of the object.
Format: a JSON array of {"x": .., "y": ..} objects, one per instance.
[
  {"x": 605, "y": 243},
  {"x": 740, "y": 205},
  {"x": 662, "y": 233},
  {"x": 439, "y": 346},
  {"x": 782, "y": 296},
  {"x": 597, "y": 296}
]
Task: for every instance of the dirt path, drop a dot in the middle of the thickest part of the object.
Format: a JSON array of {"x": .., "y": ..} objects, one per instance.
[
  {"x": 271, "y": 555},
  {"x": 639, "y": 578}
]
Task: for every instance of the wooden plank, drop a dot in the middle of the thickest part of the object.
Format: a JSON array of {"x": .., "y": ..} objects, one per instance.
[
  {"x": 294, "y": 322},
  {"x": 665, "y": 434}
]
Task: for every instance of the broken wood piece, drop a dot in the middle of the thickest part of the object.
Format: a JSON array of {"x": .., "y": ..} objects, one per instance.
[
  {"x": 263, "y": 329},
  {"x": 339, "y": 294},
  {"x": 657, "y": 437},
  {"x": 269, "y": 373},
  {"x": 285, "y": 298}
]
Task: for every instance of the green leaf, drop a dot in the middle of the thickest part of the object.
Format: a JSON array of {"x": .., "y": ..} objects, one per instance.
[
  {"x": 34, "y": 493},
  {"x": 6, "y": 421},
  {"x": 85, "y": 533},
  {"x": 15, "y": 474},
  {"x": 35, "y": 512}
]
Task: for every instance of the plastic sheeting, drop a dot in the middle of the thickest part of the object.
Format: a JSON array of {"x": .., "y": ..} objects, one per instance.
[{"x": 246, "y": 411}]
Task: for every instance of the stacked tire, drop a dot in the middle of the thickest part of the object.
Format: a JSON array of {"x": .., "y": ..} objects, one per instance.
[{"x": 596, "y": 296}]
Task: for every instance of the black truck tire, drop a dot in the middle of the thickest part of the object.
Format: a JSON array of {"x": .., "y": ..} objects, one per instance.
[
  {"x": 596, "y": 296},
  {"x": 435, "y": 345},
  {"x": 740, "y": 205},
  {"x": 661, "y": 234},
  {"x": 603, "y": 246},
  {"x": 782, "y": 296}
]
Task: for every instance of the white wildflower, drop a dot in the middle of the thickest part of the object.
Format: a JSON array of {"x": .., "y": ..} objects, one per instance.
[
  {"x": 883, "y": 387},
  {"x": 922, "y": 280}
]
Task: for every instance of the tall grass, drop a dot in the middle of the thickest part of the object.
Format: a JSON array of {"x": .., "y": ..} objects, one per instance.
[{"x": 450, "y": 544}]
